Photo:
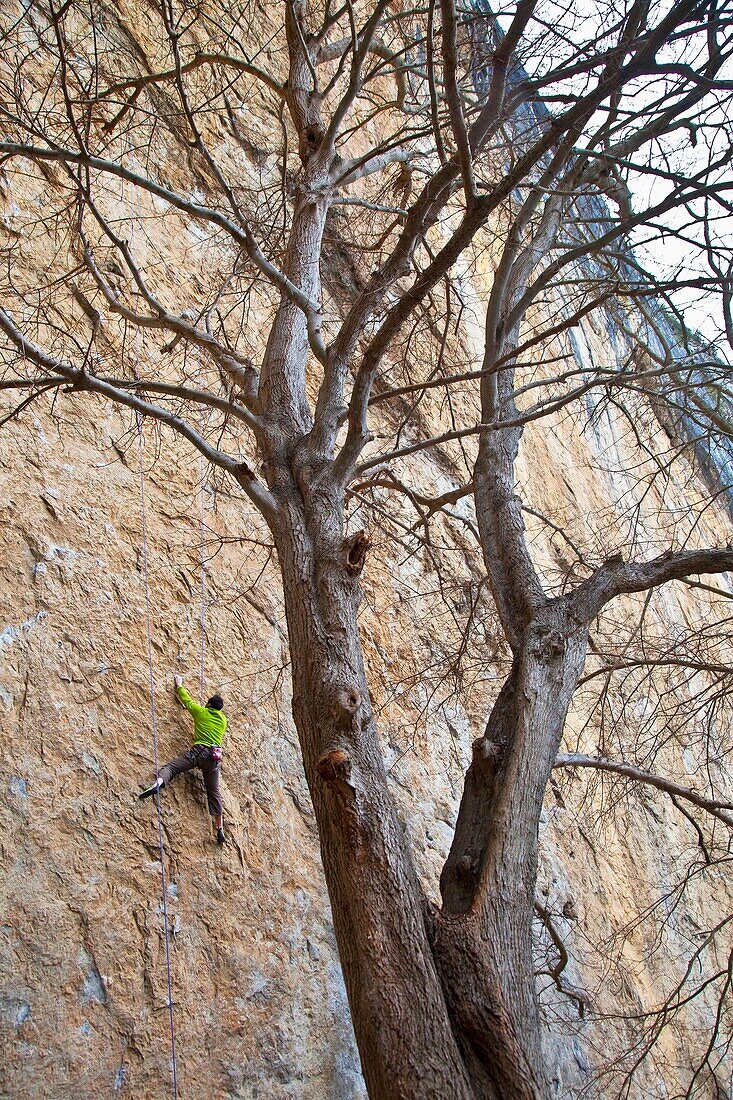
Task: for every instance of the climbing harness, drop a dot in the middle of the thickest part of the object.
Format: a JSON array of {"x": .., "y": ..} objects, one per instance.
[{"x": 161, "y": 849}]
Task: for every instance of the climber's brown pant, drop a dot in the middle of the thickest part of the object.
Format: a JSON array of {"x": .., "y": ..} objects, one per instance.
[{"x": 198, "y": 756}]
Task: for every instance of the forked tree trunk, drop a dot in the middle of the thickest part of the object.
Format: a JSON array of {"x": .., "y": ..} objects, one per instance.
[{"x": 442, "y": 1004}]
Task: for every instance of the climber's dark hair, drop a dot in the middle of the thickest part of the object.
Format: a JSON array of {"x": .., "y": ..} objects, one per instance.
[{"x": 215, "y": 703}]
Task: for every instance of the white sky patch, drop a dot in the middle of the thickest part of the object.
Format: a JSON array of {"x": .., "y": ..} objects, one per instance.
[{"x": 677, "y": 245}]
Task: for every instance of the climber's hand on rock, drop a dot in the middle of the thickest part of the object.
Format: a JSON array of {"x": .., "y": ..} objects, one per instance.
[{"x": 178, "y": 680}]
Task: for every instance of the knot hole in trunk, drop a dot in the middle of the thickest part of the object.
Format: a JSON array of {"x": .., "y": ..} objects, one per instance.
[
  {"x": 486, "y": 756},
  {"x": 551, "y": 644},
  {"x": 346, "y": 703},
  {"x": 356, "y": 548}
]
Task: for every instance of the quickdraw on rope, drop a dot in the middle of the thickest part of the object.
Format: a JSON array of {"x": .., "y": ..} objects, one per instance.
[{"x": 161, "y": 849}]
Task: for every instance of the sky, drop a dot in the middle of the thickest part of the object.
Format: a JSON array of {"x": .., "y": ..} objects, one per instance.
[{"x": 676, "y": 250}]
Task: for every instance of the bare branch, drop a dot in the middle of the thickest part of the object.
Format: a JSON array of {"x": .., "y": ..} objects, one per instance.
[
  {"x": 616, "y": 576},
  {"x": 718, "y": 809},
  {"x": 241, "y": 234},
  {"x": 85, "y": 381}
]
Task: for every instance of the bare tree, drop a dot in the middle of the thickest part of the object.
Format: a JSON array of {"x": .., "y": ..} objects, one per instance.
[{"x": 414, "y": 139}]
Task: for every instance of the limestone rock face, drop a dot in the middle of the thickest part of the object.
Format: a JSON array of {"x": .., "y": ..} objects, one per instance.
[
  {"x": 90, "y": 879},
  {"x": 259, "y": 1006}
]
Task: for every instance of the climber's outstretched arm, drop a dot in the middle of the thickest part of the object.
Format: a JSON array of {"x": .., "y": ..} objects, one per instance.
[{"x": 191, "y": 706}]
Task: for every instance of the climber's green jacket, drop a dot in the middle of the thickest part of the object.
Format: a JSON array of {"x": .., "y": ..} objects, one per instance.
[{"x": 209, "y": 724}]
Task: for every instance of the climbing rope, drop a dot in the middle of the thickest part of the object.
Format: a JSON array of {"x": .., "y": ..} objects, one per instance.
[
  {"x": 161, "y": 849},
  {"x": 151, "y": 689},
  {"x": 202, "y": 565}
]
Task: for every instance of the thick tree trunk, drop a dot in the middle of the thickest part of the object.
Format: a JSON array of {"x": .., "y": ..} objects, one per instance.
[
  {"x": 443, "y": 1005},
  {"x": 478, "y": 966},
  {"x": 484, "y": 936},
  {"x": 407, "y": 1046}
]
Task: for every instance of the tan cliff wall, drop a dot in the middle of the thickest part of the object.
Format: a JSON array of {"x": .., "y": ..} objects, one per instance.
[
  {"x": 259, "y": 1004},
  {"x": 256, "y": 991}
]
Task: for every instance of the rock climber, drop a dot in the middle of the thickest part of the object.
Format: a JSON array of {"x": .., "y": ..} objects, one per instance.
[{"x": 209, "y": 725}]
